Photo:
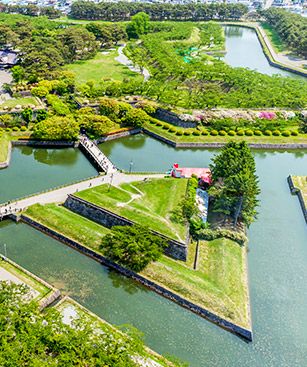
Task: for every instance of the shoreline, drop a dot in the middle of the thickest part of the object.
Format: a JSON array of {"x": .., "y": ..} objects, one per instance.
[
  {"x": 267, "y": 47},
  {"x": 296, "y": 191},
  {"x": 229, "y": 326}
]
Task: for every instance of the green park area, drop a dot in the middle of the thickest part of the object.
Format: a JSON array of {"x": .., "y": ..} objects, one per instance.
[
  {"x": 276, "y": 41},
  {"x": 219, "y": 282},
  {"x": 22, "y": 101},
  {"x": 13, "y": 273},
  {"x": 102, "y": 66},
  {"x": 72, "y": 225},
  {"x": 300, "y": 182},
  {"x": 152, "y": 203}
]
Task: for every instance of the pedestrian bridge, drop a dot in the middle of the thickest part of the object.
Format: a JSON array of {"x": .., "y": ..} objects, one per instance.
[{"x": 92, "y": 151}]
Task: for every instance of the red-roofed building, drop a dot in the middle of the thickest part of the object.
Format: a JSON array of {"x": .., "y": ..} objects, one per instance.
[{"x": 204, "y": 174}]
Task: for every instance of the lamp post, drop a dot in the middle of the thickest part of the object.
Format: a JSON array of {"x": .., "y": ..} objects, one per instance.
[
  {"x": 111, "y": 180},
  {"x": 5, "y": 253},
  {"x": 130, "y": 166}
]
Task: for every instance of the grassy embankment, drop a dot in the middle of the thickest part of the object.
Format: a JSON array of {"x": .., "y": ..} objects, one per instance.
[
  {"x": 101, "y": 66},
  {"x": 219, "y": 283},
  {"x": 301, "y": 183},
  {"x": 5, "y": 138},
  {"x": 301, "y": 138},
  {"x": 274, "y": 38},
  {"x": 149, "y": 203},
  {"x": 25, "y": 278}
]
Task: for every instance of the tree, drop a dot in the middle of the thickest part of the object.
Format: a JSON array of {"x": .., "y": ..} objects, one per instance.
[
  {"x": 236, "y": 185},
  {"x": 27, "y": 115},
  {"x": 139, "y": 25},
  {"x": 17, "y": 73},
  {"x": 132, "y": 246},
  {"x": 135, "y": 117},
  {"x": 56, "y": 128}
]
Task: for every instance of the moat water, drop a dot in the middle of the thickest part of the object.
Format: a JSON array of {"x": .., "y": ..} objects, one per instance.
[{"x": 277, "y": 260}]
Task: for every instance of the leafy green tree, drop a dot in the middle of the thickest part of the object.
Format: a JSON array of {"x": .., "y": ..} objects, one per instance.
[
  {"x": 135, "y": 117},
  {"x": 139, "y": 25},
  {"x": 56, "y": 128},
  {"x": 17, "y": 73},
  {"x": 41, "y": 115},
  {"x": 132, "y": 246},
  {"x": 27, "y": 115}
]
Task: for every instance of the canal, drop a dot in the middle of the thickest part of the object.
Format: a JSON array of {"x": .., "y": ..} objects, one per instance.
[
  {"x": 277, "y": 267},
  {"x": 244, "y": 50}
]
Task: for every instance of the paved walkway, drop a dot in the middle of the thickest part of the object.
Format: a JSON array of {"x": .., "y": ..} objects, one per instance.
[
  {"x": 282, "y": 58},
  {"x": 60, "y": 195},
  {"x": 102, "y": 161},
  {"x": 123, "y": 59}
]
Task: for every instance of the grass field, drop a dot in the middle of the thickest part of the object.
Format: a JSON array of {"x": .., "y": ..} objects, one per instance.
[
  {"x": 73, "y": 225},
  {"x": 276, "y": 41},
  {"x": 100, "y": 67},
  {"x": 19, "y": 101},
  {"x": 149, "y": 203},
  {"x": 4, "y": 146},
  {"x": 219, "y": 283},
  {"x": 301, "y": 138},
  {"x": 301, "y": 183}
]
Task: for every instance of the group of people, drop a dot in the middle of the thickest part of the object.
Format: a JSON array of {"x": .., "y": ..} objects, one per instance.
[{"x": 100, "y": 158}]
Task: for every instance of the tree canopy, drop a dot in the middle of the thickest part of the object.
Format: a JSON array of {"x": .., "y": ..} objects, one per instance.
[{"x": 235, "y": 186}]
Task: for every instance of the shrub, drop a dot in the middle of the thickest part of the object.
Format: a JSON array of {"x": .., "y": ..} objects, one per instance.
[
  {"x": 222, "y": 133},
  {"x": 276, "y": 133},
  {"x": 135, "y": 117},
  {"x": 249, "y": 133},
  {"x": 196, "y": 132},
  {"x": 257, "y": 132},
  {"x": 166, "y": 126},
  {"x": 214, "y": 132},
  {"x": 204, "y": 132},
  {"x": 179, "y": 132},
  {"x": 240, "y": 133},
  {"x": 58, "y": 106},
  {"x": 212, "y": 234},
  {"x": 159, "y": 123},
  {"x": 294, "y": 133},
  {"x": 286, "y": 133},
  {"x": 23, "y": 128},
  {"x": 187, "y": 132},
  {"x": 15, "y": 128},
  {"x": 172, "y": 130},
  {"x": 8, "y": 129},
  {"x": 267, "y": 132},
  {"x": 231, "y": 133}
]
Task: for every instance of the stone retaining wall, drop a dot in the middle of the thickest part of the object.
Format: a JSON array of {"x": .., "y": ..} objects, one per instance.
[
  {"x": 238, "y": 330},
  {"x": 54, "y": 293},
  {"x": 173, "y": 118},
  {"x": 46, "y": 143},
  {"x": 175, "y": 249},
  {"x": 296, "y": 191},
  {"x": 117, "y": 135}
]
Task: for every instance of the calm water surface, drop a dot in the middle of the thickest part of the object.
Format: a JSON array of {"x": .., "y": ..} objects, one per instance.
[
  {"x": 277, "y": 267},
  {"x": 35, "y": 169},
  {"x": 244, "y": 50}
]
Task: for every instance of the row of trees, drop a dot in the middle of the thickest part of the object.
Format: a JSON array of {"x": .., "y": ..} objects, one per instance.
[
  {"x": 31, "y": 10},
  {"x": 235, "y": 187},
  {"x": 292, "y": 28},
  {"x": 122, "y": 11}
]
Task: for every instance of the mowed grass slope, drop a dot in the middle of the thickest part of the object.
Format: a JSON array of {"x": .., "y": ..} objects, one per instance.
[
  {"x": 100, "y": 67},
  {"x": 72, "y": 225},
  {"x": 4, "y": 147},
  {"x": 219, "y": 283},
  {"x": 150, "y": 203},
  {"x": 301, "y": 183}
]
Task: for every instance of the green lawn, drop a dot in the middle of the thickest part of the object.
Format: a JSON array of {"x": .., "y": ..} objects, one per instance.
[
  {"x": 219, "y": 283},
  {"x": 24, "y": 101},
  {"x": 301, "y": 138},
  {"x": 4, "y": 146},
  {"x": 275, "y": 39},
  {"x": 101, "y": 66},
  {"x": 301, "y": 183},
  {"x": 149, "y": 203},
  {"x": 72, "y": 225}
]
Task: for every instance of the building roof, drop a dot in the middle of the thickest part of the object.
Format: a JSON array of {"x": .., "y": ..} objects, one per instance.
[{"x": 187, "y": 172}]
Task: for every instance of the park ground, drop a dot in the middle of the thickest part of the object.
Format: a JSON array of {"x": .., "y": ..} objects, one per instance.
[{"x": 217, "y": 283}]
